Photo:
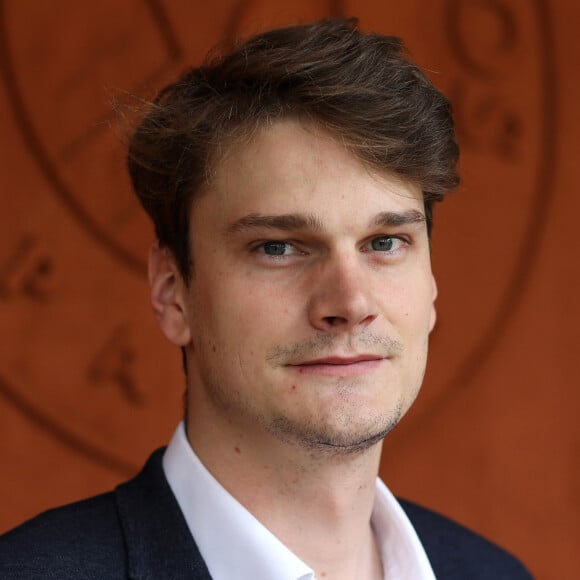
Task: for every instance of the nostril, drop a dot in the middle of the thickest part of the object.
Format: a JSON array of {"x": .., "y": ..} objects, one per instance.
[
  {"x": 370, "y": 318},
  {"x": 334, "y": 320}
]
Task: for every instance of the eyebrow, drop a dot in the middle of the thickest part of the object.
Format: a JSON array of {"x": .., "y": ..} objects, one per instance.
[
  {"x": 284, "y": 222},
  {"x": 298, "y": 222},
  {"x": 390, "y": 219}
]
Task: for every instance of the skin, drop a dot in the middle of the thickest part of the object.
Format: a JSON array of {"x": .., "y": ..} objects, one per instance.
[{"x": 306, "y": 326}]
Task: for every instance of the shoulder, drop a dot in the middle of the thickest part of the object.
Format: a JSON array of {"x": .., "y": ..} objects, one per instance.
[
  {"x": 457, "y": 552},
  {"x": 80, "y": 540},
  {"x": 136, "y": 531}
]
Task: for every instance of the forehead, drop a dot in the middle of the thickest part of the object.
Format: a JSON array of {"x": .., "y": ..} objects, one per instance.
[{"x": 292, "y": 166}]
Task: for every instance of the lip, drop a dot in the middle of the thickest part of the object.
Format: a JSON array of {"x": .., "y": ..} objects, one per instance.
[{"x": 336, "y": 366}]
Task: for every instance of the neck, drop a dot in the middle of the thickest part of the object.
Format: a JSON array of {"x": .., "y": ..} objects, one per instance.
[{"x": 318, "y": 504}]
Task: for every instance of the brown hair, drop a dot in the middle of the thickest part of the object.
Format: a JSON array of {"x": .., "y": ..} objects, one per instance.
[{"x": 358, "y": 86}]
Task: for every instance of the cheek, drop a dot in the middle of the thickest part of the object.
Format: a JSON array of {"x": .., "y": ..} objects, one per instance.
[
  {"x": 410, "y": 307},
  {"x": 237, "y": 316}
]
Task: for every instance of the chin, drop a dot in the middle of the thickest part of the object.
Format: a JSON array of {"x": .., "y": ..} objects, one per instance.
[{"x": 350, "y": 437}]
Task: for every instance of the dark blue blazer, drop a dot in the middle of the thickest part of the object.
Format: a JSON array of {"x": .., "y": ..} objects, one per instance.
[{"x": 138, "y": 531}]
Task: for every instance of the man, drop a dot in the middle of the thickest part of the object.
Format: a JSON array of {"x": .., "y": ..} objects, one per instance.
[{"x": 291, "y": 185}]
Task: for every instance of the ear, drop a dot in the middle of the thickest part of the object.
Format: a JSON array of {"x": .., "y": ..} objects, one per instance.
[
  {"x": 433, "y": 319},
  {"x": 168, "y": 295}
]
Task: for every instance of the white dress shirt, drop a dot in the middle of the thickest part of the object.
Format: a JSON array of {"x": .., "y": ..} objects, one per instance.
[{"x": 234, "y": 544}]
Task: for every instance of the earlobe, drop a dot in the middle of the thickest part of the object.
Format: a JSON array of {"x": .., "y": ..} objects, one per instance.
[
  {"x": 168, "y": 295},
  {"x": 433, "y": 319}
]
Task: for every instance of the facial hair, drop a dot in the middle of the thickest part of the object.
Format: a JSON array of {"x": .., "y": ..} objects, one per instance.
[{"x": 320, "y": 439}]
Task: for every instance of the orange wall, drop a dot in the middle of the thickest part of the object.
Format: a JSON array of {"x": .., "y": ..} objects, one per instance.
[{"x": 88, "y": 386}]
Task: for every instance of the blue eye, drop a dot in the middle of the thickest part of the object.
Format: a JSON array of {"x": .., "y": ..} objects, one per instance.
[
  {"x": 386, "y": 244},
  {"x": 275, "y": 248}
]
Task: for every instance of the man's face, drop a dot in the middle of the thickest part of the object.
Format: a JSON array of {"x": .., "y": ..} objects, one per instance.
[{"x": 311, "y": 301}]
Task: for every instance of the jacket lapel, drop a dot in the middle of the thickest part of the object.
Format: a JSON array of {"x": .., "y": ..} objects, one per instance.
[{"x": 159, "y": 543}]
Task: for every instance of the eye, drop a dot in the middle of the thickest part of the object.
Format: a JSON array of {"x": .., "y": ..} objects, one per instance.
[
  {"x": 277, "y": 248},
  {"x": 385, "y": 244}
]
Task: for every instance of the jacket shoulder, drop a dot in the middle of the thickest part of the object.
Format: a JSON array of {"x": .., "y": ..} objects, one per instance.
[
  {"x": 80, "y": 540},
  {"x": 457, "y": 552}
]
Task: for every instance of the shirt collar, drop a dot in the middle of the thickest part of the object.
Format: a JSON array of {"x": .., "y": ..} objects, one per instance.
[
  {"x": 234, "y": 544},
  {"x": 401, "y": 550}
]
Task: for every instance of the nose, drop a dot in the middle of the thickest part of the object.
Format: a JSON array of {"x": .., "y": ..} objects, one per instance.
[{"x": 342, "y": 297}]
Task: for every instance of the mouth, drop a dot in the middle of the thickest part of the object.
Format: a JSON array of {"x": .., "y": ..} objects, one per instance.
[{"x": 340, "y": 366}]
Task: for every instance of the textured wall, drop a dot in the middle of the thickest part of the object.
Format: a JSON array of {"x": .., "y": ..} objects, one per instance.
[{"x": 87, "y": 384}]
